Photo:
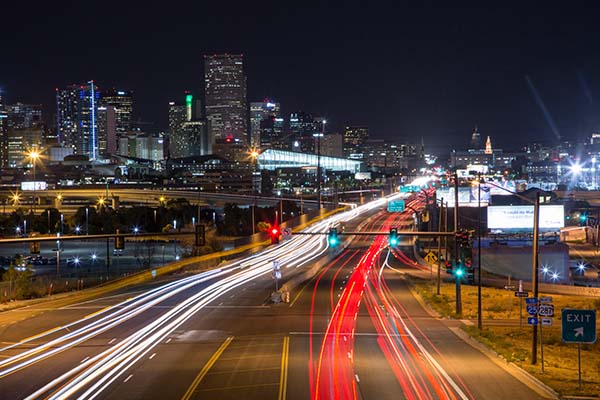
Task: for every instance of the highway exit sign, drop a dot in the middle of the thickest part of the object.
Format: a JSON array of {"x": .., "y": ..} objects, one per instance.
[
  {"x": 578, "y": 326},
  {"x": 396, "y": 206}
]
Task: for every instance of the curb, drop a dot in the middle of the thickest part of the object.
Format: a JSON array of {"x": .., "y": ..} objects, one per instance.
[{"x": 517, "y": 372}]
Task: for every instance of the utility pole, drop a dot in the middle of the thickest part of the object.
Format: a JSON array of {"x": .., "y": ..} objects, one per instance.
[
  {"x": 457, "y": 278},
  {"x": 479, "y": 317},
  {"x": 534, "y": 270},
  {"x": 439, "y": 252}
]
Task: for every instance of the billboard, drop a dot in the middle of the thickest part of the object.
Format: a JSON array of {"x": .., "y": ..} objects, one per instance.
[
  {"x": 34, "y": 185},
  {"x": 467, "y": 196},
  {"x": 521, "y": 217}
]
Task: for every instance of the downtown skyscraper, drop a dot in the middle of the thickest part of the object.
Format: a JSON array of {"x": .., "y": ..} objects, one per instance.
[
  {"x": 189, "y": 134},
  {"x": 3, "y": 136},
  {"x": 76, "y": 118},
  {"x": 225, "y": 91},
  {"x": 260, "y": 111}
]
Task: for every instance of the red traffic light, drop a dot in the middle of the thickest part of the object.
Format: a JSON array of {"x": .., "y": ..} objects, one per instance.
[{"x": 274, "y": 231}]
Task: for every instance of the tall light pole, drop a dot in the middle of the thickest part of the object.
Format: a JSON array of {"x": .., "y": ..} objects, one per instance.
[
  {"x": 34, "y": 155},
  {"x": 535, "y": 258},
  {"x": 479, "y": 318},
  {"x": 534, "y": 270},
  {"x": 458, "y": 294},
  {"x": 319, "y": 136}
]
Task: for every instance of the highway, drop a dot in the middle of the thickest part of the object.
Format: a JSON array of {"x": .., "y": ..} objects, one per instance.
[{"x": 352, "y": 331}]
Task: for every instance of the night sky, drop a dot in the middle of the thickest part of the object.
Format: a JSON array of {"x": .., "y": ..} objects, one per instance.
[{"x": 406, "y": 71}]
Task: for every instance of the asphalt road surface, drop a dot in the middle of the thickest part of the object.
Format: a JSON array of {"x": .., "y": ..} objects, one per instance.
[{"x": 353, "y": 330}]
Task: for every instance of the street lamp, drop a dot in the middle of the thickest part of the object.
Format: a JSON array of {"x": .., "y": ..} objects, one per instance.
[
  {"x": 535, "y": 258},
  {"x": 33, "y": 155},
  {"x": 16, "y": 198}
]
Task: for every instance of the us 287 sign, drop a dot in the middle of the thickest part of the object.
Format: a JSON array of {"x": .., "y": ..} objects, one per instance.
[{"x": 546, "y": 310}]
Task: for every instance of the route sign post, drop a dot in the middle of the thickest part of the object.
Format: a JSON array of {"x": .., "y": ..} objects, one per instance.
[{"x": 578, "y": 326}]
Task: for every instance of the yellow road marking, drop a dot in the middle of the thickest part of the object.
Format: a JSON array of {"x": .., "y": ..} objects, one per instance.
[
  {"x": 284, "y": 368},
  {"x": 97, "y": 312},
  {"x": 188, "y": 394},
  {"x": 258, "y": 385}
]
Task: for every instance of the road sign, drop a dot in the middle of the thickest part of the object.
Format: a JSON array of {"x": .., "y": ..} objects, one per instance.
[
  {"x": 546, "y": 310},
  {"x": 276, "y": 265},
  {"x": 531, "y": 300},
  {"x": 546, "y": 321},
  {"x": 532, "y": 320},
  {"x": 521, "y": 294},
  {"x": 510, "y": 287},
  {"x": 545, "y": 299},
  {"x": 532, "y": 309},
  {"x": 396, "y": 206},
  {"x": 578, "y": 326},
  {"x": 276, "y": 274},
  {"x": 431, "y": 258},
  {"x": 286, "y": 233}
]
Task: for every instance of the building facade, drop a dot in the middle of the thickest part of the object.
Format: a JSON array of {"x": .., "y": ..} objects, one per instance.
[
  {"x": 354, "y": 139},
  {"x": 76, "y": 118},
  {"x": 67, "y": 106},
  {"x": 3, "y": 136},
  {"x": 260, "y": 111},
  {"x": 225, "y": 91},
  {"x": 122, "y": 103},
  {"x": 189, "y": 135},
  {"x": 303, "y": 129}
]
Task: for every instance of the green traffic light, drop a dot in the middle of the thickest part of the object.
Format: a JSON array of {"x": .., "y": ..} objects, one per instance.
[
  {"x": 459, "y": 272},
  {"x": 333, "y": 241}
]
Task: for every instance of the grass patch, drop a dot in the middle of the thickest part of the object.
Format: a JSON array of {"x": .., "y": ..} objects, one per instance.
[{"x": 502, "y": 333}]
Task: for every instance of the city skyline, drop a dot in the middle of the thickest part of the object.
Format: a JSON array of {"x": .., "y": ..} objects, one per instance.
[{"x": 423, "y": 72}]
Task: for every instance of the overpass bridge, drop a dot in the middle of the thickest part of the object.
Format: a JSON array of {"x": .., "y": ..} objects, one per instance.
[{"x": 70, "y": 199}]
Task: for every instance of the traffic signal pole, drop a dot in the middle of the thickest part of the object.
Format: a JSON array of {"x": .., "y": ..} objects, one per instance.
[{"x": 457, "y": 277}]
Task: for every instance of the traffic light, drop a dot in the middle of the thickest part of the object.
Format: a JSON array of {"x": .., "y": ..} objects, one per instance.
[
  {"x": 393, "y": 237},
  {"x": 449, "y": 267},
  {"x": 333, "y": 237},
  {"x": 459, "y": 271},
  {"x": 274, "y": 232},
  {"x": 119, "y": 242}
]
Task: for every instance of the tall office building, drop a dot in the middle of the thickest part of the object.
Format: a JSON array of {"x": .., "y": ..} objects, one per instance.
[
  {"x": 354, "y": 139},
  {"x": 107, "y": 131},
  {"x": 303, "y": 128},
  {"x": 21, "y": 116},
  {"x": 87, "y": 133},
  {"x": 188, "y": 134},
  {"x": 26, "y": 130},
  {"x": 3, "y": 136},
  {"x": 225, "y": 90},
  {"x": 122, "y": 103},
  {"x": 67, "y": 106},
  {"x": 272, "y": 134},
  {"x": 76, "y": 118},
  {"x": 260, "y": 111}
]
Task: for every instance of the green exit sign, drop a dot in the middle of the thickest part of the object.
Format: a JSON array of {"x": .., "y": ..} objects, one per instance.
[
  {"x": 396, "y": 206},
  {"x": 578, "y": 326}
]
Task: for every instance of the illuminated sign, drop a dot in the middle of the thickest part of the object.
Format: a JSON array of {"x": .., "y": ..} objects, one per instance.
[
  {"x": 521, "y": 217},
  {"x": 121, "y": 93},
  {"x": 31, "y": 185}
]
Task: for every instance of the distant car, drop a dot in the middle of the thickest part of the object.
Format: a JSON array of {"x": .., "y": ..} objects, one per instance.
[{"x": 117, "y": 252}]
